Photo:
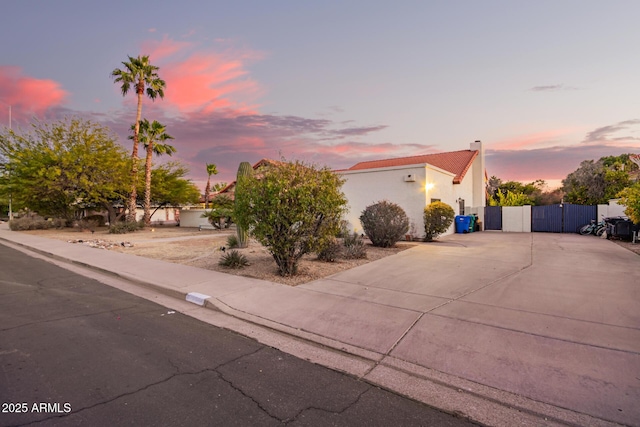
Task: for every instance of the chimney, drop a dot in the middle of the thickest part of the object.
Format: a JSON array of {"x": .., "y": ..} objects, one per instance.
[{"x": 479, "y": 193}]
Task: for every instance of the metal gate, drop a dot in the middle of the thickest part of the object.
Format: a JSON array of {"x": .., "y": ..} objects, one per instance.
[
  {"x": 547, "y": 219},
  {"x": 564, "y": 218},
  {"x": 578, "y": 215},
  {"x": 493, "y": 218}
]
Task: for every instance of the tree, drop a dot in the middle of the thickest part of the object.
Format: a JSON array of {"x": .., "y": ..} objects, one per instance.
[
  {"x": 630, "y": 197},
  {"x": 153, "y": 136},
  {"x": 170, "y": 188},
  {"x": 291, "y": 208},
  {"x": 509, "y": 198},
  {"x": 493, "y": 184},
  {"x": 140, "y": 73},
  {"x": 438, "y": 217},
  {"x": 62, "y": 168},
  {"x": 514, "y": 193},
  {"x": 218, "y": 186},
  {"x": 595, "y": 182},
  {"x": 221, "y": 212},
  {"x": 211, "y": 170}
]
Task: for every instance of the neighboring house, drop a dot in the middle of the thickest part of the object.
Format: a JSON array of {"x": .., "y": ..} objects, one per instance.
[
  {"x": 163, "y": 215},
  {"x": 193, "y": 217},
  {"x": 230, "y": 189},
  {"x": 456, "y": 178}
]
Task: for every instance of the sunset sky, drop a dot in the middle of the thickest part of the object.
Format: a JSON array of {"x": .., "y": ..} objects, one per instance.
[{"x": 544, "y": 84}]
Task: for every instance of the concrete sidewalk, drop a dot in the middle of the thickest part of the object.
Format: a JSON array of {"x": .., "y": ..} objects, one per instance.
[{"x": 526, "y": 329}]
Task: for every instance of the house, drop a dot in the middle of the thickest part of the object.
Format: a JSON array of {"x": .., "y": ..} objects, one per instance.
[
  {"x": 456, "y": 178},
  {"x": 230, "y": 189},
  {"x": 193, "y": 217}
]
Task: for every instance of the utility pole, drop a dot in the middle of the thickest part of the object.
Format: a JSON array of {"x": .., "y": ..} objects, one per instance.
[
  {"x": 10, "y": 195},
  {"x": 10, "y": 198}
]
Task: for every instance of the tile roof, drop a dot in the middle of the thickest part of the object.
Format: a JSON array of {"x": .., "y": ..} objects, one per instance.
[
  {"x": 263, "y": 162},
  {"x": 456, "y": 162}
]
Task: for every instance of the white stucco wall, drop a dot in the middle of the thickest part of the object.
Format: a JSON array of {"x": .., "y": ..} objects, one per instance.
[
  {"x": 516, "y": 219},
  {"x": 161, "y": 215},
  {"x": 611, "y": 209},
  {"x": 366, "y": 187},
  {"x": 192, "y": 218}
]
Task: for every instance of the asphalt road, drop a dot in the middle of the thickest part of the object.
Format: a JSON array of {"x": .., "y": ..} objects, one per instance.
[{"x": 74, "y": 351}]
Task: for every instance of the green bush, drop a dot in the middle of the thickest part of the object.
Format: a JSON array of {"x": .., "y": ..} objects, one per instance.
[
  {"x": 232, "y": 242},
  {"x": 630, "y": 197},
  {"x": 331, "y": 250},
  {"x": 384, "y": 223},
  {"x": 291, "y": 208},
  {"x": 354, "y": 247},
  {"x": 125, "y": 227},
  {"x": 233, "y": 259},
  {"x": 438, "y": 216},
  {"x": 220, "y": 215}
]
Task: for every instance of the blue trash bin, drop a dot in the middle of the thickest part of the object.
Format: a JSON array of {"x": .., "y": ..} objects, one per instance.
[{"x": 462, "y": 223}]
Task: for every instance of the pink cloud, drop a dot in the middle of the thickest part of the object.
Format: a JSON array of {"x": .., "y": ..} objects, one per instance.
[
  {"x": 203, "y": 80},
  {"x": 28, "y": 95},
  {"x": 534, "y": 140},
  {"x": 208, "y": 82},
  {"x": 159, "y": 49}
]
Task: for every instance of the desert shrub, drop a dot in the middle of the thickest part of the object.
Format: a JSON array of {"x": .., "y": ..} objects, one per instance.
[
  {"x": 88, "y": 224},
  {"x": 98, "y": 219},
  {"x": 354, "y": 247},
  {"x": 220, "y": 215},
  {"x": 29, "y": 223},
  {"x": 232, "y": 242},
  {"x": 291, "y": 208},
  {"x": 330, "y": 251},
  {"x": 344, "y": 229},
  {"x": 438, "y": 216},
  {"x": 384, "y": 223},
  {"x": 58, "y": 223},
  {"x": 233, "y": 259},
  {"x": 124, "y": 227}
]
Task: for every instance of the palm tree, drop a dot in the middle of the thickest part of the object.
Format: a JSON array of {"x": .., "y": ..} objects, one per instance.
[
  {"x": 141, "y": 74},
  {"x": 211, "y": 170},
  {"x": 153, "y": 136}
]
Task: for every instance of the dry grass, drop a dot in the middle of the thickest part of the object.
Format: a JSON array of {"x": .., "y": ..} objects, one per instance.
[{"x": 202, "y": 249}]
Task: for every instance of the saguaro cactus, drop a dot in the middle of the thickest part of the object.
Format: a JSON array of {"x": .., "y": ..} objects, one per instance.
[{"x": 244, "y": 170}]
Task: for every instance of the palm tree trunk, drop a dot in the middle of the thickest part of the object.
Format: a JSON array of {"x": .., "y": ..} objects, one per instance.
[
  {"x": 147, "y": 185},
  {"x": 207, "y": 190},
  {"x": 134, "y": 157}
]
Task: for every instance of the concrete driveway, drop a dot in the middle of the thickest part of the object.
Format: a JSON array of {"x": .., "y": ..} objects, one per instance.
[{"x": 552, "y": 317}]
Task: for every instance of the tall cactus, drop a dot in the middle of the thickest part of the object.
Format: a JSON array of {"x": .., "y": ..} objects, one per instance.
[{"x": 244, "y": 170}]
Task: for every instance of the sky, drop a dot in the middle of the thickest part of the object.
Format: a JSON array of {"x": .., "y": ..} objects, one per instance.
[{"x": 543, "y": 84}]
